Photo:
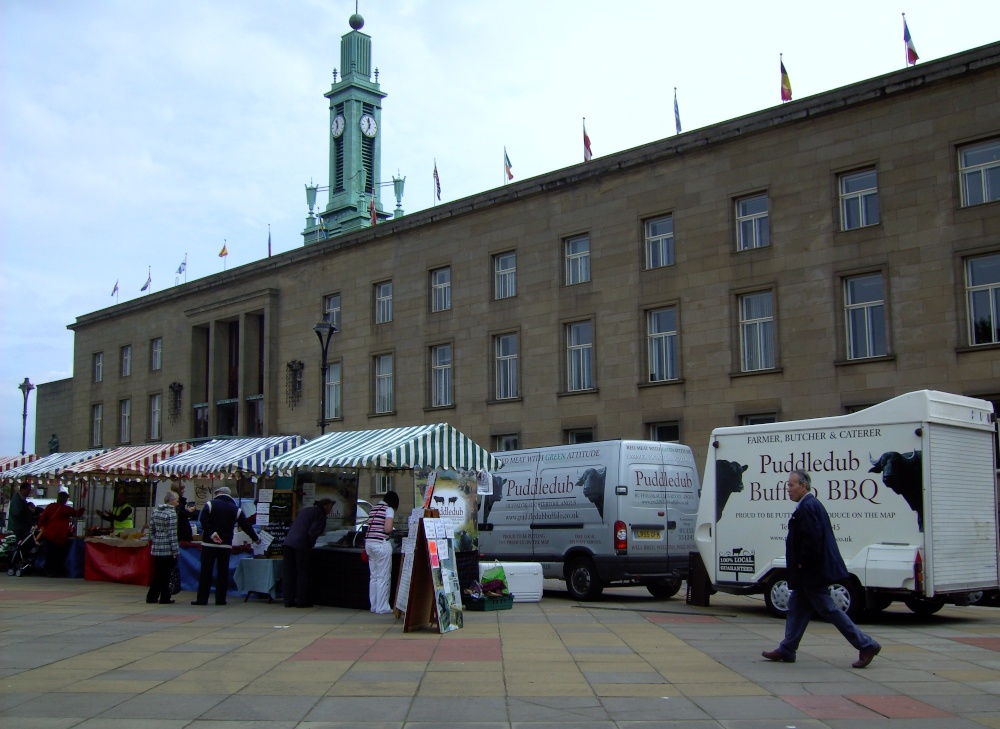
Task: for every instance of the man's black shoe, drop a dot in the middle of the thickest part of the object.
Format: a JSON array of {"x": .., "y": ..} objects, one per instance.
[
  {"x": 778, "y": 656},
  {"x": 195, "y": 602}
]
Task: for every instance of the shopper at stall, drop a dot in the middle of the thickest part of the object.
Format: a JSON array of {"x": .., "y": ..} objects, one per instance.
[
  {"x": 21, "y": 514},
  {"x": 219, "y": 520},
  {"x": 184, "y": 511},
  {"x": 164, "y": 547},
  {"x": 54, "y": 527},
  {"x": 121, "y": 515},
  {"x": 308, "y": 526},
  {"x": 379, "y": 551}
]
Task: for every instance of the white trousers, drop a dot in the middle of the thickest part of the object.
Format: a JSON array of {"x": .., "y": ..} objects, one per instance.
[{"x": 380, "y": 568}]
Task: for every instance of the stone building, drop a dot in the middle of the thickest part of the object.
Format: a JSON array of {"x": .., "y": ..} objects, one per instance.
[{"x": 803, "y": 261}]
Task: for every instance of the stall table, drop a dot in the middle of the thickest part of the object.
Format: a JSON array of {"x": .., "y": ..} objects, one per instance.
[
  {"x": 338, "y": 577},
  {"x": 258, "y": 577},
  {"x": 189, "y": 561},
  {"x": 127, "y": 561}
]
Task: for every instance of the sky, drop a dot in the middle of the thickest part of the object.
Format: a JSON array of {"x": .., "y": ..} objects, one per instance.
[{"x": 135, "y": 135}]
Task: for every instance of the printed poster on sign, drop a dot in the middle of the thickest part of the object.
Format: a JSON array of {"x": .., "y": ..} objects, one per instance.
[{"x": 453, "y": 494}]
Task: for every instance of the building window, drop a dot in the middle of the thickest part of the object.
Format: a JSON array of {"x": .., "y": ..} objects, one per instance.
[
  {"x": 98, "y": 366},
  {"x": 383, "y": 302},
  {"x": 383, "y": 383},
  {"x": 333, "y": 392},
  {"x": 577, "y": 260},
  {"x": 96, "y": 424},
  {"x": 758, "y": 419},
  {"x": 508, "y": 442},
  {"x": 979, "y": 170},
  {"x": 154, "y": 416},
  {"x": 506, "y": 367},
  {"x": 858, "y": 200},
  {"x": 441, "y": 382},
  {"x": 757, "y": 332},
  {"x": 156, "y": 354},
  {"x": 580, "y": 435},
  {"x": 124, "y": 421},
  {"x": 661, "y": 339},
  {"x": 201, "y": 420},
  {"x": 331, "y": 310},
  {"x": 983, "y": 286},
  {"x": 579, "y": 356},
  {"x": 865, "y": 314},
  {"x": 441, "y": 289},
  {"x": 665, "y": 432},
  {"x": 126, "y": 360},
  {"x": 660, "y": 242},
  {"x": 382, "y": 484},
  {"x": 752, "y": 227},
  {"x": 255, "y": 416},
  {"x": 505, "y": 275}
]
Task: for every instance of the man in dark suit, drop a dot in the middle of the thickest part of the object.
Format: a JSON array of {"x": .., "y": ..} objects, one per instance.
[
  {"x": 813, "y": 563},
  {"x": 219, "y": 520}
]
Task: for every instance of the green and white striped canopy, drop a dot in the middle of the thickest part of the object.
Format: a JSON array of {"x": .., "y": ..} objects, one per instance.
[{"x": 437, "y": 446}]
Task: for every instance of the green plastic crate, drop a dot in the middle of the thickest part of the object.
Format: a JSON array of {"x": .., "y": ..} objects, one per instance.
[{"x": 487, "y": 603}]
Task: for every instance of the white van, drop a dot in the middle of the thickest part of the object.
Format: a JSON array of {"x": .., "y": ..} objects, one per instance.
[
  {"x": 595, "y": 514},
  {"x": 910, "y": 486}
]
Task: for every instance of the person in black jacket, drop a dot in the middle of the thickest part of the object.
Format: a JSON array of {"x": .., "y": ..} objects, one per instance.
[
  {"x": 184, "y": 510},
  {"x": 219, "y": 520},
  {"x": 308, "y": 526},
  {"x": 813, "y": 563}
]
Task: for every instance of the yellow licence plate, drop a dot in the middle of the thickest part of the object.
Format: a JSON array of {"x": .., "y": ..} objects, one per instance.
[{"x": 647, "y": 533}]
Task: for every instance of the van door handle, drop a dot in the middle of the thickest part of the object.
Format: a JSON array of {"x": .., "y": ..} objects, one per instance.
[
  {"x": 671, "y": 524},
  {"x": 485, "y": 527}
]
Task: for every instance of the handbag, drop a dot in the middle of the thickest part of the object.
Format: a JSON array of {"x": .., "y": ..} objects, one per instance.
[{"x": 175, "y": 580}]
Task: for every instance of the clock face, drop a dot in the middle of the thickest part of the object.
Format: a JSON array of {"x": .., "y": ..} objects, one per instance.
[
  {"x": 368, "y": 125},
  {"x": 338, "y": 126}
]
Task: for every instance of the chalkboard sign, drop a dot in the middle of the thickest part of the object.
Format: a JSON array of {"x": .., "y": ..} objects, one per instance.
[{"x": 280, "y": 515}]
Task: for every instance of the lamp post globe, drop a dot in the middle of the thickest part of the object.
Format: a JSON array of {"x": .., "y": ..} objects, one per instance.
[
  {"x": 25, "y": 387},
  {"x": 324, "y": 331}
]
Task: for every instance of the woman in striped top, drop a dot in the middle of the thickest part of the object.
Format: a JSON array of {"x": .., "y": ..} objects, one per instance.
[{"x": 379, "y": 550}]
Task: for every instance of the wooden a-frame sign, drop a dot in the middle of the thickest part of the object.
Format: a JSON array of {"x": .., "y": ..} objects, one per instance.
[{"x": 420, "y": 606}]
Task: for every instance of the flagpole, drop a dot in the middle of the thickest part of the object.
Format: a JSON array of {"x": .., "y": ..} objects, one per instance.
[
  {"x": 185, "y": 268},
  {"x": 434, "y": 185}
]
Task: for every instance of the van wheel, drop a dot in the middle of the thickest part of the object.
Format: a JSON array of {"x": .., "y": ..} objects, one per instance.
[
  {"x": 924, "y": 605},
  {"x": 776, "y": 595},
  {"x": 582, "y": 580},
  {"x": 847, "y": 596},
  {"x": 664, "y": 589}
]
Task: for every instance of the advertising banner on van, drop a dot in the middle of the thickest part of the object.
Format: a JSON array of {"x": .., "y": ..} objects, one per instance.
[{"x": 869, "y": 478}]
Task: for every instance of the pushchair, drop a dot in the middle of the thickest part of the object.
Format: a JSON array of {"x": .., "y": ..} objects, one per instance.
[{"x": 22, "y": 559}]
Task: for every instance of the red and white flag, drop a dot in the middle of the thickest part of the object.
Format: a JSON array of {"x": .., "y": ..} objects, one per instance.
[
  {"x": 911, "y": 50},
  {"x": 587, "y": 152},
  {"x": 372, "y": 212}
]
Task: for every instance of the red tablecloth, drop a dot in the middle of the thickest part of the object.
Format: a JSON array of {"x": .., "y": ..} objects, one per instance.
[{"x": 108, "y": 563}]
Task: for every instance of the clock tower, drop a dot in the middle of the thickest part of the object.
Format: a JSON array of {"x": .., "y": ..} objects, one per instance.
[{"x": 354, "y": 130}]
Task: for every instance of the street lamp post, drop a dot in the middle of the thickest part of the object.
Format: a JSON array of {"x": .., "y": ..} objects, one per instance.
[
  {"x": 26, "y": 387},
  {"x": 324, "y": 330}
]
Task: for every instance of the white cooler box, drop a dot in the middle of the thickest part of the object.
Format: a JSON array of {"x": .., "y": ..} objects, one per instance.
[{"x": 524, "y": 579}]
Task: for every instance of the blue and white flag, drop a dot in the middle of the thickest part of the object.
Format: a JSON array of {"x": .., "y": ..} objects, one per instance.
[{"x": 149, "y": 280}]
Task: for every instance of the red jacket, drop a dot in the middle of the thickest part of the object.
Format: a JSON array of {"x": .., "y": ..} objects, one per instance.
[{"x": 55, "y": 520}]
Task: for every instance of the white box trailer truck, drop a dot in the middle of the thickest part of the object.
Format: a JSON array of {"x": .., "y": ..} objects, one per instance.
[
  {"x": 595, "y": 514},
  {"x": 910, "y": 486}
]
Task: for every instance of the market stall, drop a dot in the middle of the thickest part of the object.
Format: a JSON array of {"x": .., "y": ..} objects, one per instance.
[
  {"x": 46, "y": 475},
  {"x": 425, "y": 447},
  {"x": 239, "y": 459},
  {"x": 121, "y": 557}
]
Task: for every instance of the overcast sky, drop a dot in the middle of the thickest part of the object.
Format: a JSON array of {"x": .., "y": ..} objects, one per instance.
[{"x": 135, "y": 133}]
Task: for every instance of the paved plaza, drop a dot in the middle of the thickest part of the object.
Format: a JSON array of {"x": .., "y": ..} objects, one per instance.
[{"x": 88, "y": 654}]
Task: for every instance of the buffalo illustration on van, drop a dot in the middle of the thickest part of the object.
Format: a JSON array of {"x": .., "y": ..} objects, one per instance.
[
  {"x": 493, "y": 497},
  {"x": 903, "y": 473},
  {"x": 728, "y": 481},
  {"x": 592, "y": 481}
]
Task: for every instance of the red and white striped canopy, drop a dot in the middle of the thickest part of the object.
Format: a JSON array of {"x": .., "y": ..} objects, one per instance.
[
  {"x": 127, "y": 460},
  {"x": 9, "y": 462}
]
